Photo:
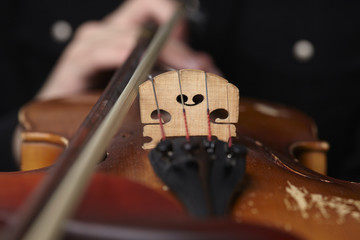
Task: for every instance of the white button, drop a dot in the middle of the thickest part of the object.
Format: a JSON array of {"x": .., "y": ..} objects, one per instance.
[
  {"x": 303, "y": 50},
  {"x": 61, "y": 31}
]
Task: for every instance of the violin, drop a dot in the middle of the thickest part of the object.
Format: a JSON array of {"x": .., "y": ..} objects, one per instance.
[
  {"x": 277, "y": 191},
  {"x": 189, "y": 161}
]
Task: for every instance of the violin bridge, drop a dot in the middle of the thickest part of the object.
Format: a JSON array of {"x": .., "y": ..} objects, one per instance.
[{"x": 223, "y": 102}]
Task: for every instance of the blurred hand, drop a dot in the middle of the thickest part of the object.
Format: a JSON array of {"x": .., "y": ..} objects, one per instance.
[{"x": 105, "y": 44}]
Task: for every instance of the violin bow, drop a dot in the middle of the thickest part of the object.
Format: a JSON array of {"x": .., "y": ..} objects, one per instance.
[{"x": 43, "y": 214}]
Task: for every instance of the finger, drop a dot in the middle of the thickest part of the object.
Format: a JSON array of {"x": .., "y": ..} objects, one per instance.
[
  {"x": 178, "y": 54},
  {"x": 94, "y": 36},
  {"x": 139, "y": 11},
  {"x": 134, "y": 13}
]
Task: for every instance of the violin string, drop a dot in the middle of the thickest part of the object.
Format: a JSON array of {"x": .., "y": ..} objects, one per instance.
[
  {"x": 207, "y": 108},
  {"x": 183, "y": 108},
  {"x": 158, "y": 109},
  {"x": 229, "y": 125}
]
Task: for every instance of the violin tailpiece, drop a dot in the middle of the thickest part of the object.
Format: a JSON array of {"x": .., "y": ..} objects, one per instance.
[{"x": 203, "y": 174}]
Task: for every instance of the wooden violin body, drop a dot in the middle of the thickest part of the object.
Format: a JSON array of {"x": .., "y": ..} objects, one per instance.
[{"x": 278, "y": 193}]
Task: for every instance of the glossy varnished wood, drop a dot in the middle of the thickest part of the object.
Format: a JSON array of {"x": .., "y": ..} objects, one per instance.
[{"x": 278, "y": 191}]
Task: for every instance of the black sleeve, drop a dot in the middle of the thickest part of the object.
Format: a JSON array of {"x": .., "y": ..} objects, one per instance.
[
  {"x": 7, "y": 127},
  {"x": 8, "y": 86}
]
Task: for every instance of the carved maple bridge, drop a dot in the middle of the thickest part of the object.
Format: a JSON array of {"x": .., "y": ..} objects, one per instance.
[{"x": 200, "y": 90}]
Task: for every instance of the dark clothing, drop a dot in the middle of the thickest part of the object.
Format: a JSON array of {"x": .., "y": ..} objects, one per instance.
[
  {"x": 28, "y": 52},
  {"x": 251, "y": 41}
]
